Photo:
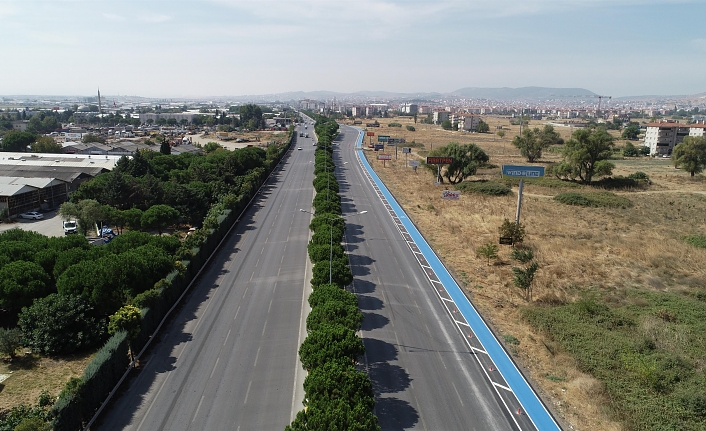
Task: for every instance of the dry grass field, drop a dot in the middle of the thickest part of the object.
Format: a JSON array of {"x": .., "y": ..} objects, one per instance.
[
  {"x": 30, "y": 375},
  {"x": 610, "y": 253}
]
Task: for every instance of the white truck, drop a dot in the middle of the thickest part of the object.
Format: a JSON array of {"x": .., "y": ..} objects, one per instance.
[{"x": 70, "y": 227}]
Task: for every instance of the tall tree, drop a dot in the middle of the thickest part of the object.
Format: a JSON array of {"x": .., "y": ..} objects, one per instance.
[
  {"x": 467, "y": 159},
  {"x": 586, "y": 155},
  {"x": 631, "y": 131},
  {"x": 46, "y": 144},
  {"x": 17, "y": 141},
  {"x": 21, "y": 282},
  {"x": 159, "y": 217},
  {"x": 690, "y": 155},
  {"x": 251, "y": 115}
]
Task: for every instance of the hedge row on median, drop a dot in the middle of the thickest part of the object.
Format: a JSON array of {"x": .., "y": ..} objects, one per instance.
[
  {"x": 82, "y": 396},
  {"x": 338, "y": 395}
]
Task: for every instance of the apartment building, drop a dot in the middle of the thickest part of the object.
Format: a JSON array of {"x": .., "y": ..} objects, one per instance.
[
  {"x": 467, "y": 122},
  {"x": 409, "y": 108},
  {"x": 697, "y": 130},
  {"x": 440, "y": 116},
  {"x": 661, "y": 138}
]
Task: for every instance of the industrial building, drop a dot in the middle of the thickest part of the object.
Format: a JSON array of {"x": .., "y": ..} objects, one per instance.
[{"x": 33, "y": 182}]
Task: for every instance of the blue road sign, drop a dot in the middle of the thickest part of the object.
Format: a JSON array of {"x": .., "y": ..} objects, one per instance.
[
  {"x": 519, "y": 171},
  {"x": 379, "y": 147}
]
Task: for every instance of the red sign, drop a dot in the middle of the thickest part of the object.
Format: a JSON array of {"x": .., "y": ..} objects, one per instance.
[
  {"x": 439, "y": 160},
  {"x": 384, "y": 156},
  {"x": 370, "y": 134}
]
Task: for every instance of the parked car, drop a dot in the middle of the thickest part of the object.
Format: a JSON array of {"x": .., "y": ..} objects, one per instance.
[{"x": 34, "y": 215}]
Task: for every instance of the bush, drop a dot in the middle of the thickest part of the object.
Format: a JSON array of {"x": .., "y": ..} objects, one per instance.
[
  {"x": 334, "y": 313},
  {"x": 411, "y": 128},
  {"x": 10, "y": 341},
  {"x": 598, "y": 199},
  {"x": 522, "y": 255},
  {"x": 340, "y": 273},
  {"x": 394, "y": 125},
  {"x": 330, "y": 343},
  {"x": 488, "y": 251},
  {"x": 639, "y": 176},
  {"x": 59, "y": 324},
  {"x": 647, "y": 372},
  {"x": 696, "y": 240},
  {"x": 512, "y": 230},
  {"x": 490, "y": 188},
  {"x": 319, "y": 252},
  {"x": 331, "y": 292}
]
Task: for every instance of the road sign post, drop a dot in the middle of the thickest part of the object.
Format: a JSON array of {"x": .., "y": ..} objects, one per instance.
[
  {"x": 438, "y": 161},
  {"x": 521, "y": 172}
]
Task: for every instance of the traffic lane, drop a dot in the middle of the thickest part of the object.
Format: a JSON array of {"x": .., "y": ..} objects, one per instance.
[
  {"x": 414, "y": 321},
  {"x": 169, "y": 353},
  {"x": 404, "y": 344},
  {"x": 266, "y": 385}
]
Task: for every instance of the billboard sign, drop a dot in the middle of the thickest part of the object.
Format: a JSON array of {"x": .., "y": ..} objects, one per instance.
[
  {"x": 384, "y": 156},
  {"x": 379, "y": 147},
  {"x": 370, "y": 134},
  {"x": 518, "y": 171},
  {"x": 453, "y": 195},
  {"x": 383, "y": 138},
  {"x": 406, "y": 150},
  {"x": 439, "y": 160}
]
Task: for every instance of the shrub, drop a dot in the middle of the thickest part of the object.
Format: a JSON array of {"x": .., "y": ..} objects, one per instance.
[
  {"x": 490, "y": 188},
  {"x": 331, "y": 292},
  {"x": 328, "y": 344},
  {"x": 522, "y": 255},
  {"x": 488, "y": 251},
  {"x": 334, "y": 313},
  {"x": 394, "y": 125},
  {"x": 59, "y": 324},
  {"x": 512, "y": 230},
  {"x": 598, "y": 199},
  {"x": 337, "y": 271},
  {"x": 411, "y": 128},
  {"x": 639, "y": 176},
  {"x": 696, "y": 240},
  {"x": 10, "y": 341},
  {"x": 319, "y": 252}
]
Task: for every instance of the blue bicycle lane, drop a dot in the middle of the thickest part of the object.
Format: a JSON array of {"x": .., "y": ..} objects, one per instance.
[{"x": 531, "y": 405}]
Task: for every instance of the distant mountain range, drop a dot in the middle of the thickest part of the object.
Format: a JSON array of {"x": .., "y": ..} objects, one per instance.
[
  {"x": 479, "y": 93},
  {"x": 504, "y": 93}
]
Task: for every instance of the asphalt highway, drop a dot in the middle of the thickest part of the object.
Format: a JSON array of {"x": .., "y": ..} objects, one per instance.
[
  {"x": 424, "y": 374},
  {"x": 228, "y": 360}
]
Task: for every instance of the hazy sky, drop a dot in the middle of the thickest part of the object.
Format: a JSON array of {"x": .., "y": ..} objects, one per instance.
[{"x": 179, "y": 48}]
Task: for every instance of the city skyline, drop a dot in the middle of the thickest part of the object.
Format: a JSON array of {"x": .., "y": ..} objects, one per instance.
[{"x": 234, "y": 48}]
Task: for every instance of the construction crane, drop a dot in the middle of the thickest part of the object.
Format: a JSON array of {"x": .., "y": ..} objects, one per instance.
[{"x": 600, "y": 98}]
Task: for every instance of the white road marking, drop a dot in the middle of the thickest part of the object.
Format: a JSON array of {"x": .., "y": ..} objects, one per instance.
[
  {"x": 214, "y": 369},
  {"x": 197, "y": 410},
  {"x": 247, "y": 393}
]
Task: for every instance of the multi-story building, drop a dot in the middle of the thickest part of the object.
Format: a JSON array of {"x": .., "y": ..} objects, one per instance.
[
  {"x": 357, "y": 111},
  {"x": 409, "y": 108},
  {"x": 697, "y": 130},
  {"x": 661, "y": 138},
  {"x": 467, "y": 122},
  {"x": 440, "y": 116}
]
